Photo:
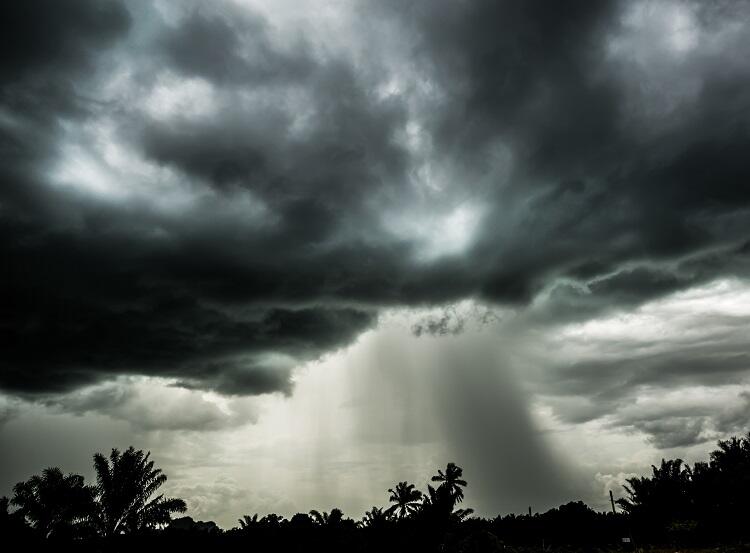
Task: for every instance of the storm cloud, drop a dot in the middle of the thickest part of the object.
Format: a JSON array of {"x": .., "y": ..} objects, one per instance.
[
  {"x": 271, "y": 210},
  {"x": 215, "y": 195}
]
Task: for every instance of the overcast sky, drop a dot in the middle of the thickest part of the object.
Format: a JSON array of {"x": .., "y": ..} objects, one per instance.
[{"x": 304, "y": 249}]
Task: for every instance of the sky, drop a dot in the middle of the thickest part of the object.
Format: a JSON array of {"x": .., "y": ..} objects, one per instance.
[{"x": 302, "y": 250}]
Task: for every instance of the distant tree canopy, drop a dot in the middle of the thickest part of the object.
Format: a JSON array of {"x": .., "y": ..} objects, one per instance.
[
  {"x": 376, "y": 518},
  {"x": 334, "y": 519},
  {"x": 675, "y": 504}
]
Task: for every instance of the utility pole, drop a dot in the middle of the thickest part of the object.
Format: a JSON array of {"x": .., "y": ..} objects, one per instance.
[
  {"x": 529, "y": 510},
  {"x": 612, "y": 500}
]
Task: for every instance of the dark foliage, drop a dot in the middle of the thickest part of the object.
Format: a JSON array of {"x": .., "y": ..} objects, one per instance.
[
  {"x": 675, "y": 505},
  {"x": 125, "y": 485},
  {"x": 55, "y": 505},
  {"x": 680, "y": 504}
]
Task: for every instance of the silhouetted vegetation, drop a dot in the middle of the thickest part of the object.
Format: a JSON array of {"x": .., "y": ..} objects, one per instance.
[
  {"x": 56, "y": 505},
  {"x": 125, "y": 485},
  {"x": 677, "y": 505},
  {"x": 703, "y": 503}
]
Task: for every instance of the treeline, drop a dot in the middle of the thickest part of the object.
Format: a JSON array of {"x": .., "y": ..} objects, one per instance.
[
  {"x": 706, "y": 502},
  {"x": 677, "y": 505}
]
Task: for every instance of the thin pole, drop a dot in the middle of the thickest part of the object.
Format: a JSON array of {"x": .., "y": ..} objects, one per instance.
[{"x": 612, "y": 500}]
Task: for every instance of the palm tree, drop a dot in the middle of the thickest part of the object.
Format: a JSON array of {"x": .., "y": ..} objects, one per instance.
[
  {"x": 247, "y": 521},
  {"x": 54, "y": 504},
  {"x": 437, "y": 503},
  {"x": 451, "y": 481},
  {"x": 666, "y": 490},
  {"x": 125, "y": 484},
  {"x": 375, "y": 518},
  {"x": 405, "y": 500},
  {"x": 657, "y": 502}
]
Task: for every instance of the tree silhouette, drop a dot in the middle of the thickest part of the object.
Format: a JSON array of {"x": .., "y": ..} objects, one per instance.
[
  {"x": 301, "y": 521},
  {"x": 661, "y": 504},
  {"x": 405, "y": 500},
  {"x": 437, "y": 505},
  {"x": 665, "y": 493},
  {"x": 673, "y": 504},
  {"x": 125, "y": 484},
  {"x": 247, "y": 521},
  {"x": 11, "y": 523},
  {"x": 721, "y": 487},
  {"x": 272, "y": 520},
  {"x": 328, "y": 520},
  {"x": 451, "y": 481},
  {"x": 376, "y": 518},
  {"x": 54, "y": 504},
  {"x": 5, "y": 511}
]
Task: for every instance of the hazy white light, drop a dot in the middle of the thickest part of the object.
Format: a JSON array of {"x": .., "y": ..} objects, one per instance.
[
  {"x": 173, "y": 96},
  {"x": 438, "y": 234},
  {"x": 651, "y": 29},
  {"x": 82, "y": 170},
  {"x": 94, "y": 160},
  {"x": 455, "y": 231}
]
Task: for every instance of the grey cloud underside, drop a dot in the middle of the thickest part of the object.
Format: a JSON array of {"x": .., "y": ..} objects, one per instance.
[
  {"x": 688, "y": 425},
  {"x": 683, "y": 383},
  {"x": 598, "y": 204}
]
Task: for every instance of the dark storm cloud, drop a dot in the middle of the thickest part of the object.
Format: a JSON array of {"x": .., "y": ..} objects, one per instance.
[
  {"x": 89, "y": 293},
  {"x": 95, "y": 321},
  {"x": 48, "y": 49},
  {"x": 44, "y": 39},
  {"x": 618, "y": 207},
  {"x": 509, "y": 68},
  {"x": 592, "y": 189},
  {"x": 232, "y": 45}
]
